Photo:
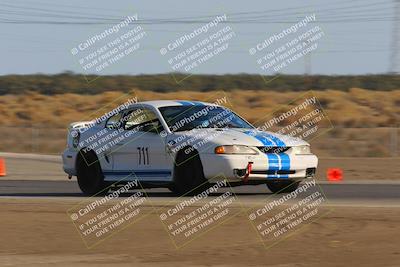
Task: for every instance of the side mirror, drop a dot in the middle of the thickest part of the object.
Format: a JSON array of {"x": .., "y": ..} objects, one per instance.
[{"x": 151, "y": 127}]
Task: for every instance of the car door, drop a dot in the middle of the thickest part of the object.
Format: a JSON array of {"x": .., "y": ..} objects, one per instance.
[
  {"x": 104, "y": 137},
  {"x": 142, "y": 153}
]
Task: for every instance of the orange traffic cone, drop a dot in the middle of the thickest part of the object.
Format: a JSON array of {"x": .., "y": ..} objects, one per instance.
[
  {"x": 2, "y": 167},
  {"x": 334, "y": 174}
]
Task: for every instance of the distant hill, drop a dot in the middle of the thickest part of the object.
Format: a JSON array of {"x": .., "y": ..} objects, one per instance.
[{"x": 69, "y": 82}]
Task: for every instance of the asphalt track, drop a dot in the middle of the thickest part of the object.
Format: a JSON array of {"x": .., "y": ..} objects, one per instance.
[
  {"x": 360, "y": 194},
  {"x": 41, "y": 176}
]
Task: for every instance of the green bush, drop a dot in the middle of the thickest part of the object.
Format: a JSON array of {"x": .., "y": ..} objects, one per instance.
[{"x": 69, "y": 82}]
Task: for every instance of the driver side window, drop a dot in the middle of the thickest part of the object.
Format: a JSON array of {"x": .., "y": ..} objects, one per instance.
[
  {"x": 141, "y": 119},
  {"x": 114, "y": 121}
]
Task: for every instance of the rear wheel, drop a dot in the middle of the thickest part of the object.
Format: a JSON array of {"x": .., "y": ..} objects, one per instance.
[
  {"x": 89, "y": 173},
  {"x": 282, "y": 186},
  {"x": 188, "y": 173}
]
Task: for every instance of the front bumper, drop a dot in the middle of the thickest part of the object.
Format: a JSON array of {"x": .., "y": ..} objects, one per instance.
[{"x": 228, "y": 166}]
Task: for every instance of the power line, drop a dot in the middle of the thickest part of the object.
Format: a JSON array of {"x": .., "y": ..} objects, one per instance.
[
  {"x": 355, "y": 12},
  {"x": 172, "y": 22}
]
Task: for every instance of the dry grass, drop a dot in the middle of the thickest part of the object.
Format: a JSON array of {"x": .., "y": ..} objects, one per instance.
[
  {"x": 356, "y": 108},
  {"x": 373, "y": 111}
]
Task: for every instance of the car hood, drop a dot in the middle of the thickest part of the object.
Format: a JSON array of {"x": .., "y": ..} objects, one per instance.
[{"x": 239, "y": 136}]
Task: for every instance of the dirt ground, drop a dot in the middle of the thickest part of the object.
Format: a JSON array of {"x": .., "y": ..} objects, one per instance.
[{"x": 38, "y": 232}]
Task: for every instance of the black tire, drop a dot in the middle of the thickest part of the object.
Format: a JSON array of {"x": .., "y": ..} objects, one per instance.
[
  {"x": 188, "y": 173},
  {"x": 89, "y": 174},
  {"x": 282, "y": 186}
]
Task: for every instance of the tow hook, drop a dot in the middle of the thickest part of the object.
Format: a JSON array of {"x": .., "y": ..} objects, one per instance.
[
  {"x": 243, "y": 173},
  {"x": 248, "y": 171}
]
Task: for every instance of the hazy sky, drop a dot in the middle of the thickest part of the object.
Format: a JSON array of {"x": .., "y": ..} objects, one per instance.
[{"x": 37, "y": 36}]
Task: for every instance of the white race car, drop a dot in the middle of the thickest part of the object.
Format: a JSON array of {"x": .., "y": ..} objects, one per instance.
[{"x": 183, "y": 145}]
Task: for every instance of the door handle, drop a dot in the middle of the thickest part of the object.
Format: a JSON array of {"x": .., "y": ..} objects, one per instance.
[{"x": 119, "y": 144}]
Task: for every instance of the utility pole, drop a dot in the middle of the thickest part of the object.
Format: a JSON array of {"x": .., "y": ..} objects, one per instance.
[{"x": 395, "y": 53}]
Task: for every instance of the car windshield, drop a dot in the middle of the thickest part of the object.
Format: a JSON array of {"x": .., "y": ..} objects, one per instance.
[{"x": 185, "y": 118}]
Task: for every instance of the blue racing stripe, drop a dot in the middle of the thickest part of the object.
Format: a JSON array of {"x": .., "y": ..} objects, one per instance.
[
  {"x": 150, "y": 173},
  {"x": 285, "y": 164},
  {"x": 273, "y": 163},
  {"x": 197, "y": 103},
  {"x": 275, "y": 139},
  {"x": 283, "y": 157},
  {"x": 285, "y": 161},
  {"x": 185, "y": 103},
  {"x": 276, "y": 162},
  {"x": 273, "y": 159},
  {"x": 263, "y": 139}
]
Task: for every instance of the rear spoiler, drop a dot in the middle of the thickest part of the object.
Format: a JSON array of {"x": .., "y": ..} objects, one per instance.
[
  {"x": 80, "y": 124},
  {"x": 73, "y": 138}
]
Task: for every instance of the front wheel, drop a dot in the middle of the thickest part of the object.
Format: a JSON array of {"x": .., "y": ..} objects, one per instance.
[
  {"x": 282, "y": 186},
  {"x": 188, "y": 174}
]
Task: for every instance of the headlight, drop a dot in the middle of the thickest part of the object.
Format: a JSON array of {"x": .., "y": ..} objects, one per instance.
[
  {"x": 299, "y": 150},
  {"x": 235, "y": 149}
]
